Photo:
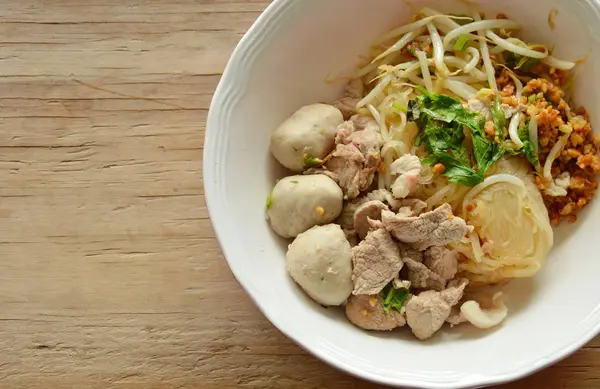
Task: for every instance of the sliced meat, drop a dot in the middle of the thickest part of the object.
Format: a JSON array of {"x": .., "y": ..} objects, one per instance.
[
  {"x": 353, "y": 95},
  {"x": 386, "y": 196},
  {"x": 356, "y": 157},
  {"x": 409, "y": 253},
  {"x": 376, "y": 261},
  {"x": 407, "y": 170},
  {"x": 436, "y": 228},
  {"x": 353, "y": 171},
  {"x": 427, "y": 312},
  {"x": 361, "y": 131},
  {"x": 346, "y": 218},
  {"x": 442, "y": 261},
  {"x": 419, "y": 275},
  {"x": 369, "y": 210},
  {"x": 455, "y": 291},
  {"x": 411, "y": 207},
  {"x": 344, "y": 131},
  {"x": 367, "y": 312},
  {"x": 366, "y": 136}
]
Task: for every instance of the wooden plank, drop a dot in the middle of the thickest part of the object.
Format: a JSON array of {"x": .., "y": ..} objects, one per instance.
[{"x": 110, "y": 273}]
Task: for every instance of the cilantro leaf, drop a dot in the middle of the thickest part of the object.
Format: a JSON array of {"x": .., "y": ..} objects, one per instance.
[
  {"x": 485, "y": 149},
  {"x": 463, "y": 175},
  {"x": 394, "y": 298},
  {"x": 441, "y": 120}
]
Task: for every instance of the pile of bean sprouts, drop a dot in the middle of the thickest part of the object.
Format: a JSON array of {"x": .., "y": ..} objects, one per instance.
[{"x": 391, "y": 77}]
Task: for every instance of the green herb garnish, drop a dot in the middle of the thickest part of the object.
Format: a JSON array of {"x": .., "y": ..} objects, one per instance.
[
  {"x": 394, "y": 298},
  {"x": 527, "y": 150},
  {"x": 461, "y": 44},
  {"x": 526, "y": 63},
  {"x": 487, "y": 150},
  {"x": 294, "y": 182},
  {"x": 441, "y": 120},
  {"x": 269, "y": 200},
  {"x": 310, "y": 161},
  {"x": 400, "y": 107},
  {"x": 519, "y": 62}
]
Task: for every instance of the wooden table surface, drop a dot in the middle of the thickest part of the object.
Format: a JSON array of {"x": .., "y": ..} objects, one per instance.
[{"x": 110, "y": 272}]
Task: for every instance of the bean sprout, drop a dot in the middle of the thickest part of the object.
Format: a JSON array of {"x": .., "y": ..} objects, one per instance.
[
  {"x": 425, "y": 70},
  {"x": 479, "y": 25},
  {"x": 438, "y": 50},
  {"x": 525, "y": 52}
]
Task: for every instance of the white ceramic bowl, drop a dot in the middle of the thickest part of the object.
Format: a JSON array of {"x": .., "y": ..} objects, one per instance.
[{"x": 280, "y": 65}]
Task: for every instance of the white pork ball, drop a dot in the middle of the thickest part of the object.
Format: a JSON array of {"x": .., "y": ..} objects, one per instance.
[
  {"x": 320, "y": 261},
  {"x": 298, "y": 203},
  {"x": 309, "y": 133}
]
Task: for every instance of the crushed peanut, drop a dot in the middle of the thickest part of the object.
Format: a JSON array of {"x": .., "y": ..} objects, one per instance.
[{"x": 579, "y": 158}]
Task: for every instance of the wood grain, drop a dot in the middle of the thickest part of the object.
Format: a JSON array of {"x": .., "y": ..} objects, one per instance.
[{"x": 110, "y": 273}]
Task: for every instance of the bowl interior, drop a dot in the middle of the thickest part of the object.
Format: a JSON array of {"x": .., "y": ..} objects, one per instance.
[{"x": 284, "y": 63}]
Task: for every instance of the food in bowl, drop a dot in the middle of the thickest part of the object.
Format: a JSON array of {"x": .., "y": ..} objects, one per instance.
[{"x": 436, "y": 178}]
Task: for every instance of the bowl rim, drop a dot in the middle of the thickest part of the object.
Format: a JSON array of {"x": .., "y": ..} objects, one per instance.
[{"x": 215, "y": 113}]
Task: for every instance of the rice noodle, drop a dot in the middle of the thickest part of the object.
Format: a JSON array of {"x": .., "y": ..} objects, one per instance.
[
  {"x": 400, "y": 148},
  {"x": 557, "y": 63},
  {"x": 380, "y": 119},
  {"x": 554, "y": 152},
  {"x": 525, "y": 52},
  {"x": 513, "y": 130},
  {"x": 425, "y": 69},
  {"x": 489, "y": 181},
  {"x": 439, "y": 195},
  {"x": 438, "y": 50},
  {"x": 396, "y": 130},
  {"x": 477, "y": 251},
  {"x": 479, "y": 25}
]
